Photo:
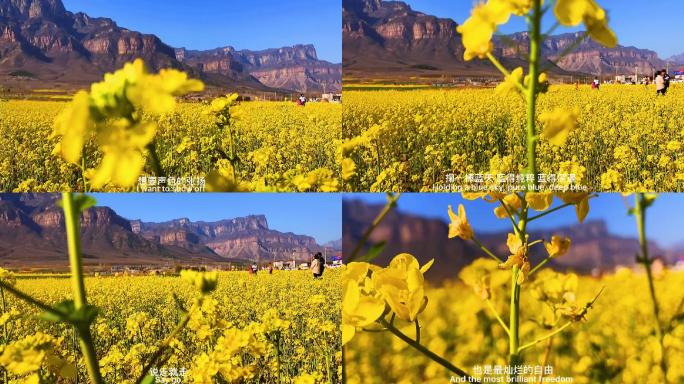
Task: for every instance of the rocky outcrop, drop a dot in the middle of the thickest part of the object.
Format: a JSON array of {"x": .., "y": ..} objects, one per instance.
[
  {"x": 41, "y": 38},
  {"x": 388, "y": 37},
  {"x": 294, "y": 68},
  {"x": 677, "y": 59},
  {"x": 243, "y": 238},
  {"x": 32, "y": 233},
  {"x": 587, "y": 57},
  {"x": 391, "y": 34}
]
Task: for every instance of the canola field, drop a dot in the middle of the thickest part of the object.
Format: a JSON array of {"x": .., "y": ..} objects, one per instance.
[
  {"x": 615, "y": 344},
  {"x": 279, "y": 328},
  {"x": 626, "y": 139},
  {"x": 278, "y": 146}
]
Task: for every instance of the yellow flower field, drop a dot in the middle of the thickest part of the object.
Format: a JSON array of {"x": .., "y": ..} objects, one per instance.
[
  {"x": 278, "y": 146},
  {"x": 616, "y": 343},
  {"x": 626, "y": 139},
  {"x": 275, "y": 328}
]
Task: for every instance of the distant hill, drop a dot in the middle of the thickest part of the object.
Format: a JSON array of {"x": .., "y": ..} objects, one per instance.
[
  {"x": 42, "y": 44},
  {"x": 297, "y": 68},
  {"x": 593, "y": 246},
  {"x": 390, "y": 39},
  {"x": 32, "y": 235},
  {"x": 335, "y": 245},
  {"x": 677, "y": 59}
]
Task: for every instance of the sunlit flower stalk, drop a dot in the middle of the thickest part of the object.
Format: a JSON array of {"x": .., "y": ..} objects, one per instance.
[
  {"x": 85, "y": 339},
  {"x": 641, "y": 204}
]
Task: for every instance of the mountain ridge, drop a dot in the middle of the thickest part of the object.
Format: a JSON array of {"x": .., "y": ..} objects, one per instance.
[
  {"x": 41, "y": 40},
  {"x": 389, "y": 38},
  {"x": 594, "y": 248},
  {"x": 32, "y": 234}
]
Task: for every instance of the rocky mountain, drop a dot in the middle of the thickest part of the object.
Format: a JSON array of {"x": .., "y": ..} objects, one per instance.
[
  {"x": 294, "y": 68},
  {"x": 41, "y": 40},
  {"x": 677, "y": 59},
  {"x": 32, "y": 235},
  {"x": 243, "y": 238},
  {"x": 593, "y": 248},
  {"x": 391, "y": 39},
  {"x": 335, "y": 245},
  {"x": 588, "y": 57},
  {"x": 388, "y": 36}
]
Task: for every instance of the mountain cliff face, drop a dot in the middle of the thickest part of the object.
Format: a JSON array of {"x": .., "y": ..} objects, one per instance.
[
  {"x": 390, "y": 36},
  {"x": 244, "y": 238},
  {"x": 293, "y": 68},
  {"x": 677, "y": 59},
  {"x": 40, "y": 39},
  {"x": 593, "y": 246},
  {"x": 588, "y": 57},
  {"x": 380, "y": 35},
  {"x": 32, "y": 234}
]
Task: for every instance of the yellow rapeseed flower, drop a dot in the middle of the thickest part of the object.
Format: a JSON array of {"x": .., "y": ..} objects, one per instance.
[
  {"x": 558, "y": 246},
  {"x": 361, "y": 304},
  {"x": 518, "y": 257},
  {"x": 579, "y": 199},
  {"x": 401, "y": 284},
  {"x": 539, "y": 201},
  {"x": 459, "y": 226},
  {"x": 558, "y": 124},
  {"x": 572, "y": 12}
]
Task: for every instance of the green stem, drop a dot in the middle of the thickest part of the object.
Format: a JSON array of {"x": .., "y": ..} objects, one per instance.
[
  {"x": 156, "y": 164},
  {"x": 513, "y": 336},
  {"x": 73, "y": 228},
  {"x": 640, "y": 212},
  {"x": 486, "y": 250},
  {"x": 5, "y": 334},
  {"x": 511, "y": 216},
  {"x": 391, "y": 203},
  {"x": 231, "y": 143},
  {"x": 541, "y": 264},
  {"x": 556, "y": 209},
  {"x": 535, "y": 55},
  {"x": 431, "y": 355},
  {"x": 35, "y": 302},
  {"x": 539, "y": 340},
  {"x": 85, "y": 181},
  {"x": 503, "y": 70},
  {"x": 496, "y": 314},
  {"x": 550, "y": 211},
  {"x": 164, "y": 346},
  {"x": 417, "y": 331}
]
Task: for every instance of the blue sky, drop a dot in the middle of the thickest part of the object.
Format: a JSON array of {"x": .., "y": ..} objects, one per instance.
[
  {"x": 636, "y": 22},
  {"x": 244, "y": 24},
  {"x": 664, "y": 219},
  {"x": 313, "y": 214}
]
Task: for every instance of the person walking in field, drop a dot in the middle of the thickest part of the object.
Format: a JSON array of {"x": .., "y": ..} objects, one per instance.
[
  {"x": 596, "y": 84},
  {"x": 666, "y": 79},
  {"x": 660, "y": 83},
  {"x": 317, "y": 265}
]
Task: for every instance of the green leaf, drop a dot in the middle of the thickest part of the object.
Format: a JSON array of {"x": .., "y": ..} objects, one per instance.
[
  {"x": 83, "y": 202},
  {"x": 373, "y": 252},
  {"x": 84, "y": 316},
  {"x": 149, "y": 379}
]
